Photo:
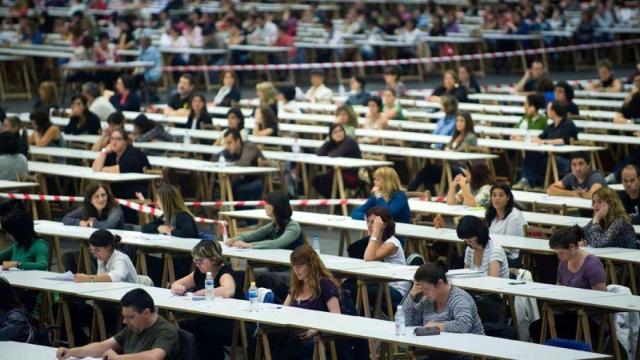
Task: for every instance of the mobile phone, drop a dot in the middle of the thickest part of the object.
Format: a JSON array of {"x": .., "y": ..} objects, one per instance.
[{"x": 423, "y": 331}]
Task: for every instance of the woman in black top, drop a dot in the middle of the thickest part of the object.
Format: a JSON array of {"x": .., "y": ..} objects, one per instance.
[
  {"x": 211, "y": 333},
  {"x": 450, "y": 86},
  {"x": 81, "y": 120},
  {"x": 176, "y": 219},
  {"x": 266, "y": 122},
  {"x": 14, "y": 319},
  {"x": 125, "y": 98},
  {"x": 198, "y": 113},
  {"x": 338, "y": 145},
  {"x": 228, "y": 94}
]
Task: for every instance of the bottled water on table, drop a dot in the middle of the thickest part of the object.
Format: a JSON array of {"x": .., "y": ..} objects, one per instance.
[
  {"x": 400, "y": 324},
  {"x": 208, "y": 287},
  {"x": 253, "y": 297},
  {"x": 316, "y": 243}
]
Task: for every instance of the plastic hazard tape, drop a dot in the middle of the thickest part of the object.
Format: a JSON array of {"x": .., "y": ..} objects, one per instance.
[{"x": 257, "y": 203}]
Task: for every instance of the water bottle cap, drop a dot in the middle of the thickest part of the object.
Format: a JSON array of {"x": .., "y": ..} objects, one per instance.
[
  {"x": 253, "y": 283},
  {"x": 208, "y": 273}
]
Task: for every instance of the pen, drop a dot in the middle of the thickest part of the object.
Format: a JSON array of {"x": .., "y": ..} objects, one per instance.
[{"x": 517, "y": 283}]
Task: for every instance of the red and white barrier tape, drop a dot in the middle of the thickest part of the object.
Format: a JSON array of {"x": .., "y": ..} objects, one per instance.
[
  {"x": 301, "y": 203},
  {"x": 130, "y": 204},
  {"x": 413, "y": 61}
]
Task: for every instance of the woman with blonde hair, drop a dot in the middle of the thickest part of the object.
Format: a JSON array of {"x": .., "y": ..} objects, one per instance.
[
  {"x": 610, "y": 226},
  {"x": 313, "y": 288},
  {"x": 347, "y": 117},
  {"x": 267, "y": 95},
  {"x": 176, "y": 219},
  {"x": 386, "y": 192}
]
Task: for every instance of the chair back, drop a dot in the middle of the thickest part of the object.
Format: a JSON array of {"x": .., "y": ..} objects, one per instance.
[
  {"x": 188, "y": 350},
  {"x": 569, "y": 344}
]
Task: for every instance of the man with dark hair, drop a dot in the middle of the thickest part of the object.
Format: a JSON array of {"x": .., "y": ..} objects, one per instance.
[
  {"x": 528, "y": 82},
  {"x": 581, "y": 182},
  {"x": 147, "y": 335},
  {"x": 630, "y": 196},
  {"x": 358, "y": 95},
  {"x": 180, "y": 102},
  {"x": 563, "y": 92},
  {"x": 242, "y": 153}
]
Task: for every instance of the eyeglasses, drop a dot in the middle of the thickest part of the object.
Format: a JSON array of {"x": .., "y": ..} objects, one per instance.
[
  {"x": 116, "y": 139},
  {"x": 199, "y": 261}
]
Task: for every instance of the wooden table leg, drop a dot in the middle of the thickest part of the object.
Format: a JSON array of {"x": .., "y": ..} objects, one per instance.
[
  {"x": 66, "y": 317},
  {"x": 334, "y": 189},
  {"x": 58, "y": 253},
  {"x": 343, "y": 193}
]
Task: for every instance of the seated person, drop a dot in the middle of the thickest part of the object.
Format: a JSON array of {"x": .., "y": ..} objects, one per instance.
[
  {"x": 338, "y": 145},
  {"x": 99, "y": 105},
  {"x": 81, "y": 120},
  {"x": 630, "y": 196},
  {"x": 147, "y": 335},
  {"x": 312, "y": 288},
  {"x": 266, "y": 122},
  {"x": 125, "y": 98},
  {"x": 392, "y": 80},
  {"x": 176, "y": 220},
  {"x": 99, "y": 209},
  {"x": 373, "y": 120},
  {"x": 268, "y": 95},
  {"x": 241, "y": 153},
  {"x": 463, "y": 135},
  {"x": 348, "y": 118},
  {"x": 528, "y": 81},
  {"x": 559, "y": 132},
  {"x": 114, "y": 121},
  {"x": 235, "y": 120},
  {"x": 433, "y": 302},
  {"x": 391, "y": 108},
  {"x": 450, "y": 86},
  {"x": 607, "y": 80},
  {"x": 211, "y": 333},
  {"x": 146, "y": 130},
  {"x": 610, "y": 226},
  {"x": 533, "y": 119},
  {"x": 44, "y": 132},
  {"x": 563, "y": 92},
  {"x": 577, "y": 268},
  {"x": 14, "y": 318},
  {"x": 581, "y": 182},
  {"x": 229, "y": 92},
  {"x": 447, "y": 124},
  {"x": 12, "y": 162},
  {"x": 13, "y": 125},
  {"x": 468, "y": 80},
  {"x": 199, "y": 116},
  {"x": 179, "y": 103},
  {"x": 630, "y": 111},
  {"x": 474, "y": 184},
  {"x": 505, "y": 219},
  {"x": 357, "y": 95},
  {"x": 281, "y": 233},
  {"x": 482, "y": 253},
  {"x": 386, "y": 192},
  {"x": 27, "y": 251},
  {"x": 318, "y": 92},
  {"x": 121, "y": 157}
]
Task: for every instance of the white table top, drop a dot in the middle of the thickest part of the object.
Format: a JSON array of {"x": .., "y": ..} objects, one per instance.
[
  {"x": 91, "y": 65},
  {"x": 83, "y": 172},
  {"x": 7, "y": 184},
  {"x": 18, "y": 350},
  {"x": 615, "y": 104},
  {"x": 544, "y": 199}
]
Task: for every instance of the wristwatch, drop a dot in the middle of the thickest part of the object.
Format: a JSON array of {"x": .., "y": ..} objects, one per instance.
[
  {"x": 373, "y": 238},
  {"x": 19, "y": 265}
]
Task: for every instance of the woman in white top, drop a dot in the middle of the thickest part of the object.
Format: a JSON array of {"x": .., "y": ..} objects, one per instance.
[
  {"x": 481, "y": 253},
  {"x": 504, "y": 219},
  {"x": 384, "y": 246},
  {"x": 374, "y": 120},
  {"x": 113, "y": 265}
]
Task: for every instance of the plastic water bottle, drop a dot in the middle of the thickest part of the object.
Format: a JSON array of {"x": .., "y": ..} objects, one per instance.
[
  {"x": 295, "y": 148},
  {"x": 527, "y": 134},
  {"x": 253, "y": 297},
  {"x": 186, "y": 138},
  {"x": 316, "y": 244},
  {"x": 400, "y": 324},
  {"x": 208, "y": 287},
  {"x": 341, "y": 90},
  {"x": 222, "y": 162}
]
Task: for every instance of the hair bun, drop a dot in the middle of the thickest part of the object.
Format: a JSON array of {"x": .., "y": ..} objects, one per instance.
[
  {"x": 117, "y": 239},
  {"x": 443, "y": 264}
]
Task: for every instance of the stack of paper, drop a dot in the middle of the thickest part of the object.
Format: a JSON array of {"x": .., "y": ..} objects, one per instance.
[{"x": 464, "y": 273}]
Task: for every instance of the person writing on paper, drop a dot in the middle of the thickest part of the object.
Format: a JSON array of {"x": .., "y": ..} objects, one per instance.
[
  {"x": 99, "y": 209},
  {"x": 312, "y": 288},
  {"x": 176, "y": 220},
  {"x": 281, "y": 233},
  {"x": 474, "y": 184},
  {"x": 147, "y": 335},
  {"x": 610, "y": 226},
  {"x": 505, "y": 219},
  {"x": 27, "y": 251},
  {"x": 113, "y": 265},
  {"x": 581, "y": 182},
  {"x": 14, "y": 318},
  {"x": 482, "y": 253},
  {"x": 212, "y": 333},
  {"x": 433, "y": 302},
  {"x": 576, "y": 268}
]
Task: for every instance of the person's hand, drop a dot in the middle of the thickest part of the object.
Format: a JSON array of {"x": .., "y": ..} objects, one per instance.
[
  {"x": 376, "y": 191},
  {"x": 416, "y": 291},
  {"x": 63, "y": 353},
  {"x": 230, "y": 241},
  {"x": 581, "y": 193},
  {"x": 598, "y": 215},
  {"x": 462, "y": 180},
  {"x": 108, "y": 93},
  {"x": 582, "y": 243},
  {"x": 178, "y": 289},
  {"x": 438, "y": 221},
  {"x": 108, "y": 149},
  {"x": 432, "y": 324},
  {"x": 139, "y": 196},
  {"x": 377, "y": 225},
  {"x": 165, "y": 229},
  {"x": 242, "y": 245},
  {"x": 84, "y": 223},
  {"x": 308, "y": 334},
  {"x": 110, "y": 355},
  {"x": 81, "y": 277},
  {"x": 456, "y": 180},
  {"x": 537, "y": 140},
  {"x": 9, "y": 264},
  {"x": 515, "y": 137}
]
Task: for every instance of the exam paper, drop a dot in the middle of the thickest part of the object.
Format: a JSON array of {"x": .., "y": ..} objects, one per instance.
[{"x": 68, "y": 276}]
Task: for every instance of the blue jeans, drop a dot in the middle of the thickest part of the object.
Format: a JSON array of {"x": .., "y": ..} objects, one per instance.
[{"x": 247, "y": 189}]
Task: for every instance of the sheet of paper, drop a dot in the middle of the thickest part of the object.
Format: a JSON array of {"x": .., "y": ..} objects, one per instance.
[{"x": 68, "y": 276}]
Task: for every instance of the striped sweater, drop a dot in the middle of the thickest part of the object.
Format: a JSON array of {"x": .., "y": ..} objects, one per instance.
[{"x": 460, "y": 314}]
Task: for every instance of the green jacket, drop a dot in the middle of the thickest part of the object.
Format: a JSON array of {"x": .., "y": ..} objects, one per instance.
[
  {"x": 36, "y": 257},
  {"x": 537, "y": 123},
  {"x": 268, "y": 237}
]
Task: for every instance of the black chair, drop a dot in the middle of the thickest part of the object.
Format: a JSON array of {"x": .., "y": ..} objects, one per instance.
[{"x": 188, "y": 349}]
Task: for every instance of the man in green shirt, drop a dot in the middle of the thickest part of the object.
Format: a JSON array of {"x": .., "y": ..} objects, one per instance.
[{"x": 146, "y": 336}]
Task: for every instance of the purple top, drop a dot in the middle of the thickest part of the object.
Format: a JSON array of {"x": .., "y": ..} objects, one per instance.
[
  {"x": 591, "y": 273},
  {"x": 327, "y": 290}
]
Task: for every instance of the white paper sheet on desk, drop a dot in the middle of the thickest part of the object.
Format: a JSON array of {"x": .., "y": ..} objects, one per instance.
[
  {"x": 464, "y": 273},
  {"x": 68, "y": 276}
]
